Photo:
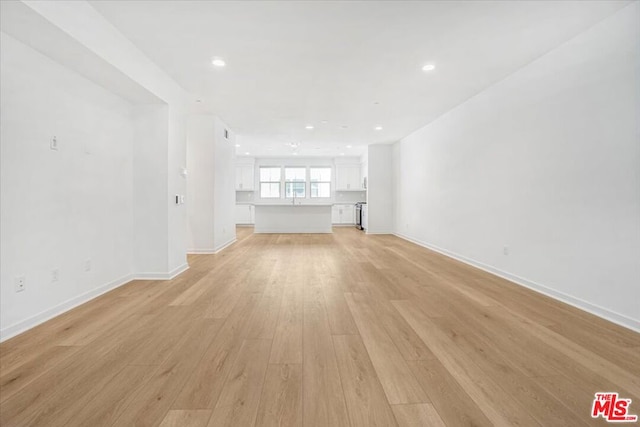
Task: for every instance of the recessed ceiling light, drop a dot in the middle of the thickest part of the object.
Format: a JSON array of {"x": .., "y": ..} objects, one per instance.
[
  {"x": 378, "y": 128},
  {"x": 237, "y": 145},
  {"x": 428, "y": 67},
  {"x": 342, "y": 154},
  {"x": 348, "y": 146},
  {"x": 324, "y": 122},
  {"x": 308, "y": 127},
  {"x": 295, "y": 154},
  {"x": 247, "y": 153},
  {"x": 218, "y": 62}
]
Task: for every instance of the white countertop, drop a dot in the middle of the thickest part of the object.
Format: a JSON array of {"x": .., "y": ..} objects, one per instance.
[
  {"x": 290, "y": 204},
  {"x": 294, "y": 206}
]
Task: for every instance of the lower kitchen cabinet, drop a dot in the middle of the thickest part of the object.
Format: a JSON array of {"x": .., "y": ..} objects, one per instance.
[
  {"x": 343, "y": 214},
  {"x": 245, "y": 214}
]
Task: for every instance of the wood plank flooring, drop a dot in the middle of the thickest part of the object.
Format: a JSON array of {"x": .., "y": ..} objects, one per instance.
[{"x": 318, "y": 330}]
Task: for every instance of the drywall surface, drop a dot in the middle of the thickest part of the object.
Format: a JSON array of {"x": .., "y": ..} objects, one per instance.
[
  {"x": 94, "y": 34},
  {"x": 200, "y": 183},
  {"x": 149, "y": 188},
  {"x": 380, "y": 188},
  {"x": 176, "y": 185},
  {"x": 224, "y": 190},
  {"x": 60, "y": 209},
  {"x": 210, "y": 184},
  {"x": 94, "y": 128},
  {"x": 543, "y": 166}
]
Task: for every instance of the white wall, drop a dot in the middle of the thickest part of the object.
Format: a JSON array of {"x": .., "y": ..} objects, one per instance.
[
  {"x": 546, "y": 162},
  {"x": 93, "y": 197},
  {"x": 82, "y": 25},
  {"x": 210, "y": 184},
  {"x": 200, "y": 182},
  {"x": 150, "y": 215},
  {"x": 224, "y": 186},
  {"x": 176, "y": 185},
  {"x": 380, "y": 188},
  {"x": 60, "y": 208}
]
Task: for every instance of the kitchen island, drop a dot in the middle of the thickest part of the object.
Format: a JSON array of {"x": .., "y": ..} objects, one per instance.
[{"x": 289, "y": 218}]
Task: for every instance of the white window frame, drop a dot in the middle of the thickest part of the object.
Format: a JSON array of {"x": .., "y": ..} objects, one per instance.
[
  {"x": 320, "y": 182},
  {"x": 279, "y": 182},
  {"x": 306, "y": 180}
]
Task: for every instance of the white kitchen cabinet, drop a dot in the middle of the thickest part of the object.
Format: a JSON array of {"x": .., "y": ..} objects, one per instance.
[
  {"x": 363, "y": 176},
  {"x": 335, "y": 214},
  {"x": 349, "y": 214},
  {"x": 244, "y": 177},
  {"x": 365, "y": 217},
  {"x": 348, "y": 178},
  {"x": 343, "y": 214},
  {"x": 245, "y": 214}
]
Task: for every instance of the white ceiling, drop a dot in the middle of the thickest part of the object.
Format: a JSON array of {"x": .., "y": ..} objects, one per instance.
[{"x": 290, "y": 64}]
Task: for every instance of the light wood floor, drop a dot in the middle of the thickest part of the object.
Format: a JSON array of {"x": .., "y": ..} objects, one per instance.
[{"x": 318, "y": 330}]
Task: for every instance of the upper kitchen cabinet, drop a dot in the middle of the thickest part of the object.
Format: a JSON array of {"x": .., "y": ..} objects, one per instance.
[
  {"x": 348, "y": 178},
  {"x": 364, "y": 172},
  {"x": 245, "y": 175}
]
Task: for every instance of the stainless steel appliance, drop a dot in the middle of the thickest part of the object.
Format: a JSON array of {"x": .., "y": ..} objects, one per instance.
[{"x": 359, "y": 215}]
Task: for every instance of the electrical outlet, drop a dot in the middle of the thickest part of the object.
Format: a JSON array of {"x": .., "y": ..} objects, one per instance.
[
  {"x": 55, "y": 275},
  {"x": 87, "y": 265},
  {"x": 505, "y": 250},
  {"x": 53, "y": 144},
  {"x": 21, "y": 283}
]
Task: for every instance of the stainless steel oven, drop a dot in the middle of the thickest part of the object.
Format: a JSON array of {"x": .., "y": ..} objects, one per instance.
[{"x": 359, "y": 215}]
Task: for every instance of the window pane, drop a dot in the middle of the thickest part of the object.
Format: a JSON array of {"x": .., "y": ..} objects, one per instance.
[
  {"x": 299, "y": 188},
  {"x": 270, "y": 189},
  {"x": 320, "y": 174},
  {"x": 269, "y": 174},
  {"x": 295, "y": 174},
  {"x": 320, "y": 189}
]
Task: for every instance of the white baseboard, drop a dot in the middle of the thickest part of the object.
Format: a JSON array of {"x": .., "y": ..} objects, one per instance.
[
  {"x": 581, "y": 304},
  {"x": 24, "y": 325},
  {"x": 378, "y": 232},
  {"x": 162, "y": 276},
  {"x": 310, "y": 230},
  {"x": 224, "y": 245},
  {"x": 213, "y": 250}
]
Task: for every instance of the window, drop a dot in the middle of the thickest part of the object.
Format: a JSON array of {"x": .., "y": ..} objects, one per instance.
[
  {"x": 295, "y": 183},
  {"x": 320, "y": 184},
  {"x": 270, "y": 182}
]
